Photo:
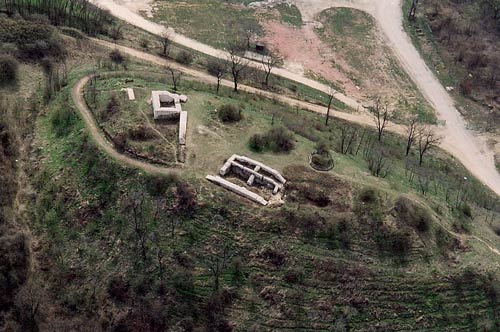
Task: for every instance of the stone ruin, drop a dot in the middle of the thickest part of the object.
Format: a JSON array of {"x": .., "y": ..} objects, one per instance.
[
  {"x": 130, "y": 93},
  {"x": 167, "y": 106},
  {"x": 254, "y": 173}
]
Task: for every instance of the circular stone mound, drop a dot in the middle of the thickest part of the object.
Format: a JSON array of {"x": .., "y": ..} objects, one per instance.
[{"x": 321, "y": 162}]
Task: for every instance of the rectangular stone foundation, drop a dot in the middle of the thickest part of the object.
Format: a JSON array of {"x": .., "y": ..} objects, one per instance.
[{"x": 242, "y": 191}]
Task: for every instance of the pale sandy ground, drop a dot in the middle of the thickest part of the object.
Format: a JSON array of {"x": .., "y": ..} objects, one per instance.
[{"x": 469, "y": 149}]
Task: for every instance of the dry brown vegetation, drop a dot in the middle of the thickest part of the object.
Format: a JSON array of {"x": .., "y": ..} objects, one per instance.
[{"x": 468, "y": 36}]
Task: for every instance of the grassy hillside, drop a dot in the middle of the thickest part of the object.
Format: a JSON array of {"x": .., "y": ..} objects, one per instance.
[
  {"x": 110, "y": 248},
  {"x": 335, "y": 254}
]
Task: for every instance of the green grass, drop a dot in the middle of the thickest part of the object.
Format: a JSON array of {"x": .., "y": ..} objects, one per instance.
[
  {"x": 213, "y": 22},
  {"x": 290, "y": 14},
  {"x": 88, "y": 235},
  {"x": 222, "y": 140}
]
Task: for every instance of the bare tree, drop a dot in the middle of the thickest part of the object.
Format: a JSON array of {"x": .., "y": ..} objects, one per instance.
[
  {"x": 218, "y": 68},
  {"x": 166, "y": 42},
  {"x": 412, "y": 133},
  {"x": 413, "y": 10},
  {"x": 348, "y": 137},
  {"x": 116, "y": 32},
  {"x": 137, "y": 212},
  {"x": 217, "y": 262},
  {"x": 424, "y": 179},
  {"x": 331, "y": 93},
  {"x": 237, "y": 64},
  {"x": 269, "y": 62},
  {"x": 378, "y": 162},
  {"x": 29, "y": 300},
  {"x": 175, "y": 75},
  {"x": 381, "y": 115},
  {"x": 249, "y": 32},
  {"x": 427, "y": 139}
]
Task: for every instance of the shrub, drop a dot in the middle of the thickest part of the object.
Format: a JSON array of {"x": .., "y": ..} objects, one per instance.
[
  {"x": 466, "y": 86},
  {"x": 141, "y": 133},
  {"x": 158, "y": 185},
  {"x": 72, "y": 32},
  {"x": 184, "y": 57},
  {"x": 294, "y": 276},
  {"x": 120, "y": 142},
  {"x": 229, "y": 113},
  {"x": 116, "y": 57},
  {"x": 442, "y": 239},
  {"x": 316, "y": 195},
  {"x": 396, "y": 242},
  {"x": 279, "y": 140},
  {"x": 118, "y": 289},
  {"x": 338, "y": 235},
  {"x": 257, "y": 143},
  {"x": 273, "y": 256},
  {"x": 8, "y": 70},
  {"x": 62, "y": 121},
  {"x": 186, "y": 199},
  {"x": 368, "y": 195},
  {"x": 412, "y": 214},
  {"x": 466, "y": 210},
  {"x": 144, "y": 43},
  {"x": 322, "y": 148}
]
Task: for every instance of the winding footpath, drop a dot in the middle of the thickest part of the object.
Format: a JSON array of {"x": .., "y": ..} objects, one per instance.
[
  {"x": 469, "y": 149},
  {"x": 100, "y": 139}
]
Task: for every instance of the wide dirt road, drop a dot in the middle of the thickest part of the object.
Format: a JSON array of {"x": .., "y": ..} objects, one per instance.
[{"x": 470, "y": 150}]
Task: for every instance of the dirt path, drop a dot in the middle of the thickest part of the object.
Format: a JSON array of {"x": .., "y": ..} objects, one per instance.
[
  {"x": 102, "y": 142},
  {"x": 469, "y": 149},
  {"x": 359, "y": 118}
]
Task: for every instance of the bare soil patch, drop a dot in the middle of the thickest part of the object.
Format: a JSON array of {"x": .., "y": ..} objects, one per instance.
[{"x": 344, "y": 46}]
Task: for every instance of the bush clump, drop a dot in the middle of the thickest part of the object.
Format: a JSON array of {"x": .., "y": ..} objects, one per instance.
[
  {"x": 62, "y": 121},
  {"x": 257, "y": 143},
  {"x": 280, "y": 140},
  {"x": 116, "y": 57},
  {"x": 141, "y": 133},
  {"x": 396, "y": 242},
  {"x": 412, "y": 214},
  {"x": 277, "y": 140},
  {"x": 368, "y": 196},
  {"x": 466, "y": 210},
  {"x": 338, "y": 235},
  {"x": 184, "y": 57},
  {"x": 294, "y": 276},
  {"x": 8, "y": 70},
  {"x": 229, "y": 113}
]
